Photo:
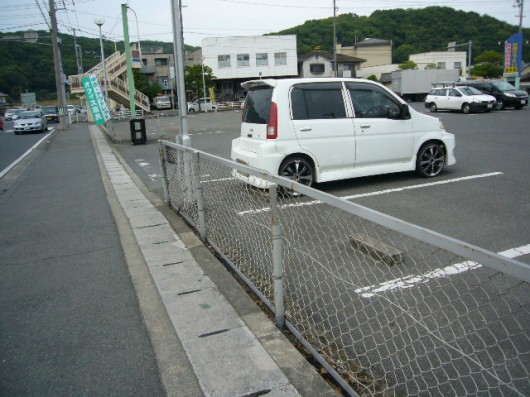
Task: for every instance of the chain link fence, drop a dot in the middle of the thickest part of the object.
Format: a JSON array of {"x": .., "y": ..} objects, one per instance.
[{"x": 388, "y": 308}]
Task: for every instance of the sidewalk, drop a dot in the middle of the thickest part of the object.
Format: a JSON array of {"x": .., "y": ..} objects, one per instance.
[{"x": 206, "y": 335}]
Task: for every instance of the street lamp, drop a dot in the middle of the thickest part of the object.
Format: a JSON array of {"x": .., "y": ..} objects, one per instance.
[
  {"x": 137, "y": 30},
  {"x": 100, "y": 22},
  {"x": 203, "y": 87}
]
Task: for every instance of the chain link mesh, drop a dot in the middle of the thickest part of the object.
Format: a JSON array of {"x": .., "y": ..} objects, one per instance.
[{"x": 393, "y": 315}]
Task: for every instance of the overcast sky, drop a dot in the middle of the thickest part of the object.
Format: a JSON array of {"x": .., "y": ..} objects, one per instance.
[{"x": 215, "y": 18}]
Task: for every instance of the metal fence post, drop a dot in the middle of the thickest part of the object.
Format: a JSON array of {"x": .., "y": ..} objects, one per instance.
[
  {"x": 198, "y": 192},
  {"x": 277, "y": 257},
  {"x": 162, "y": 159}
]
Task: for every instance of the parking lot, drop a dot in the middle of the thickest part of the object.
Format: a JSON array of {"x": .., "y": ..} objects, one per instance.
[{"x": 482, "y": 200}]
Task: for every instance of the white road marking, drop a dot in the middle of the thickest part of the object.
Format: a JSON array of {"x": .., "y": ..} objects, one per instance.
[
  {"x": 147, "y": 168},
  {"x": 380, "y": 192},
  {"x": 14, "y": 163},
  {"x": 412, "y": 280}
]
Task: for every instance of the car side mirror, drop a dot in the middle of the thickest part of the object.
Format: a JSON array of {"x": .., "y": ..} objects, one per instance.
[{"x": 399, "y": 112}]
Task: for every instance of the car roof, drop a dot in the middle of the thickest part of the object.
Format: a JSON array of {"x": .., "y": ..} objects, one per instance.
[{"x": 291, "y": 81}]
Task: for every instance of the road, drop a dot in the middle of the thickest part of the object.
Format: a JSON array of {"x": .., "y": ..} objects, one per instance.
[
  {"x": 482, "y": 200},
  {"x": 14, "y": 147}
]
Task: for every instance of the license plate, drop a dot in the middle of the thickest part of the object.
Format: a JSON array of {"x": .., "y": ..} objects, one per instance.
[
  {"x": 26, "y": 128},
  {"x": 523, "y": 102},
  {"x": 490, "y": 105}
]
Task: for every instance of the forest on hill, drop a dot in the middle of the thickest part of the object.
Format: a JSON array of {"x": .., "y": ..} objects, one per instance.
[
  {"x": 410, "y": 30},
  {"x": 28, "y": 66}
]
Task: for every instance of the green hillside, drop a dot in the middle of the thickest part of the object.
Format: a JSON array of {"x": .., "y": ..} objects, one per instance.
[
  {"x": 411, "y": 31},
  {"x": 29, "y": 66}
]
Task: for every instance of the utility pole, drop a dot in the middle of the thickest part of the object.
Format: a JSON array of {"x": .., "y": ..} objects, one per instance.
[
  {"x": 520, "y": 4},
  {"x": 59, "y": 74},
  {"x": 130, "y": 77},
  {"x": 178, "y": 44}
]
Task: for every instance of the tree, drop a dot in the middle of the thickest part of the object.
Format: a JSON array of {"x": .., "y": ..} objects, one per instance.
[
  {"x": 402, "y": 53},
  {"x": 193, "y": 80},
  {"x": 488, "y": 64},
  {"x": 408, "y": 65},
  {"x": 487, "y": 70},
  {"x": 490, "y": 56},
  {"x": 372, "y": 77},
  {"x": 142, "y": 84},
  {"x": 431, "y": 66}
]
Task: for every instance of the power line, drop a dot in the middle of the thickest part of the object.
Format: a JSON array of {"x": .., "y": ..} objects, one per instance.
[{"x": 43, "y": 16}]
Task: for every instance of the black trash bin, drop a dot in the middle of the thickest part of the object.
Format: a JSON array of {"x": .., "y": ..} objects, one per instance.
[{"x": 137, "y": 131}]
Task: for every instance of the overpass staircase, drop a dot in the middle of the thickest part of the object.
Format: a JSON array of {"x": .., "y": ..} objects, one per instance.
[{"x": 118, "y": 88}]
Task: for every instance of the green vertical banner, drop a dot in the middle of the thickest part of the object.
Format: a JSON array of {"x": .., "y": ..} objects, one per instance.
[{"x": 95, "y": 99}]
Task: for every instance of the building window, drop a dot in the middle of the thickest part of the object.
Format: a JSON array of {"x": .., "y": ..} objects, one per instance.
[
  {"x": 280, "y": 58},
  {"x": 223, "y": 61},
  {"x": 144, "y": 61},
  {"x": 163, "y": 82},
  {"x": 458, "y": 66},
  {"x": 441, "y": 65},
  {"x": 262, "y": 59},
  {"x": 161, "y": 61},
  {"x": 317, "y": 68},
  {"x": 243, "y": 60}
]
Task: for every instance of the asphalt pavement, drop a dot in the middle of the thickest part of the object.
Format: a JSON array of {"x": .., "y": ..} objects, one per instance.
[{"x": 105, "y": 291}]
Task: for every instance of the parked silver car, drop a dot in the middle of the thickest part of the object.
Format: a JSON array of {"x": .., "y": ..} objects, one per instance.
[
  {"x": 12, "y": 114},
  {"x": 30, "y": 121}
]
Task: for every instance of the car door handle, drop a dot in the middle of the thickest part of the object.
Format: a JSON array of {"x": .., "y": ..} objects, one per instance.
[
  {"x": 365, "y": 125},
  {"x": 305, "y": 129}
]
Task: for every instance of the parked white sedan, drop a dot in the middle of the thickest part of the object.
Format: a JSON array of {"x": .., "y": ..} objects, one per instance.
[{"x": 30, "y": 121}]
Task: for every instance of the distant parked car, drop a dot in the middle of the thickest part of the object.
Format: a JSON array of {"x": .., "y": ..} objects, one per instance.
[
  {"x": 73, "y": 109},
  {"x": 30, "y": 121},
  {"x": 200, "y": 104},
  {"x": 12, "y": 114},
  {"x": 466, "y": 99},
  {"x": 51, "y": 113},
  {"x": 505, "y": 93}
]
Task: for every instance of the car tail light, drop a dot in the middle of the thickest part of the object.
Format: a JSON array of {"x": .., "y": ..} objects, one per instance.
[{"x": 272, "y": 126}]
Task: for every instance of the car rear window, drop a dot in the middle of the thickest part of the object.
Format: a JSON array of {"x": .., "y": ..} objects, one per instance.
[{"x": 258, "y": 105}]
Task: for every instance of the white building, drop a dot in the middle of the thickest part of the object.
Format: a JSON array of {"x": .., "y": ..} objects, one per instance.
[
  {"x": 237, "y": 59},
  {"x": 442, "y": 60},
  {"x": 250, "y": 56}
]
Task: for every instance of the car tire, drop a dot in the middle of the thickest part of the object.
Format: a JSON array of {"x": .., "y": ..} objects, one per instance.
[
  {"x": 466, "y": 109},
  {"x": 430, "y": 160},
  {"x": 16, "y": 132},
  {"x": 191, "y": 110},
  {"x": 298, "y": 169},
  {"x": 500, "y": 104},
  {"x": 433, "y": 108}
]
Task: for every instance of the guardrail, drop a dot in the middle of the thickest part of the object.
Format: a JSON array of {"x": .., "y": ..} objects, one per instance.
[{"x": 387, "y": 307}]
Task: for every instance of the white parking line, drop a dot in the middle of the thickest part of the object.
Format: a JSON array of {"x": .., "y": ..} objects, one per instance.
[
  {"x": 386, "y": 191},
  {"x": 412, "y": 280}
]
